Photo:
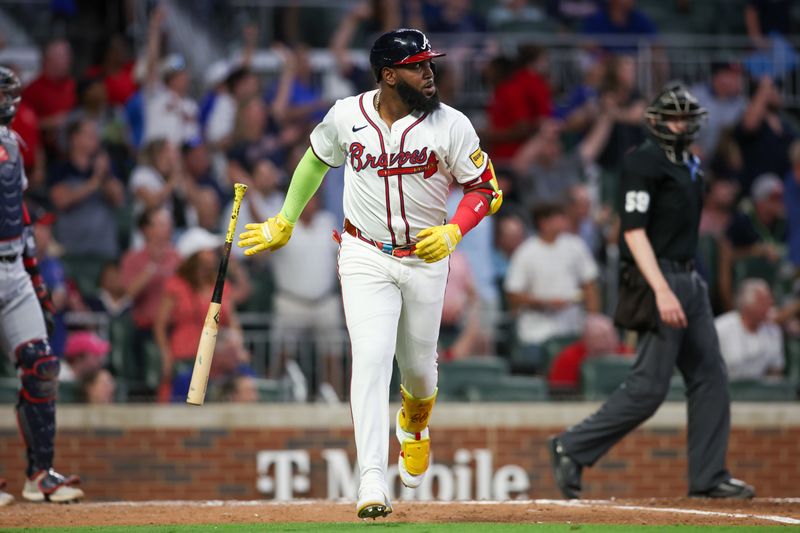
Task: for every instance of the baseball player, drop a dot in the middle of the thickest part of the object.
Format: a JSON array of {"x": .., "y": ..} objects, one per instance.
[
  {"x": 24, "y": 302},
  {"x": 401, "y": 149}
]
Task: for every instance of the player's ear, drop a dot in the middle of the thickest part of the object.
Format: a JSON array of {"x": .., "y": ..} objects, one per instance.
[{"x": 389, "y": 75}]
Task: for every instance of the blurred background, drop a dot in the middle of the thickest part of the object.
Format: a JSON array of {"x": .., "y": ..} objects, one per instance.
[{"x": 138, "y": 116}]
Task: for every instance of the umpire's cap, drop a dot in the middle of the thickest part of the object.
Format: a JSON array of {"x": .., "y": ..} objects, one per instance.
[{"x": 400, "y": 47}]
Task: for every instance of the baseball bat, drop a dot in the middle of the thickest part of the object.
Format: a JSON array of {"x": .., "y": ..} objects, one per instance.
[{"x": 208, "y": 338}]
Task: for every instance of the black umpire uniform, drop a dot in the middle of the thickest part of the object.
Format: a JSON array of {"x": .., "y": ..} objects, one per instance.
[{"x": 662, "y": 193}]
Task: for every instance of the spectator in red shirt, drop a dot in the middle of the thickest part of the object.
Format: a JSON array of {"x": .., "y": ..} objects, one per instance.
[
  {"x": 52, "y": 94},
  {"x": 26, "y": 124},
  {"x": 115, "y": 67},
  {"x": 183, "y": 306},
  {"x": 519, "y": 103},
  {"x": 599, "y": 338}
]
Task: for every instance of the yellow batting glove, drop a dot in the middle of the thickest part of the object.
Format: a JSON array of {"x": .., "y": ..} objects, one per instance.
[
  {"x": 437, "y": 242},
  {"x": 269, "y": 235}
]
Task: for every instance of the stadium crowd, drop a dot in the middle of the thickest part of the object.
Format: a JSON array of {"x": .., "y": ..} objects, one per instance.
[{"x": 131, "y": 160}]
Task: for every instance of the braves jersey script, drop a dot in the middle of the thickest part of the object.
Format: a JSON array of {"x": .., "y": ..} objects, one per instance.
[
  {"x": 12, "y": 184},
  {"x": 396, "y": 179}
]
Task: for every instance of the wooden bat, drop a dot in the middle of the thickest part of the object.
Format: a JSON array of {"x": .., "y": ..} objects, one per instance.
[{"x": 208, "y": 338}]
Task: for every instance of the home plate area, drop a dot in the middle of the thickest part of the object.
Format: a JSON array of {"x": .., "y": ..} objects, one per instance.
[{"x": 761, "y": 511}]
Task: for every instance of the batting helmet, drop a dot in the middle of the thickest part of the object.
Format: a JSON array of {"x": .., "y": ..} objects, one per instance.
[
  {"x": 674, "y": 103},
  {"x": 9, "y": 95},
  {"x": 400, "y": 47}
]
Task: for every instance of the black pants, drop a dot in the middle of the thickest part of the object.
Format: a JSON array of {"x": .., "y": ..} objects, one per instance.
[{"x": 695, "y": 351}]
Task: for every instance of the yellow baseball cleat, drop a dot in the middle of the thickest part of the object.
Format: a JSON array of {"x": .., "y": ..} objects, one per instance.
[{"x": 415, "y": 454}]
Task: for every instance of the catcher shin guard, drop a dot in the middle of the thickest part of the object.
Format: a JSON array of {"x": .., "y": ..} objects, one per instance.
[
  {"x": 36, "y": 408},
  {"x": 414, "y": 436}
]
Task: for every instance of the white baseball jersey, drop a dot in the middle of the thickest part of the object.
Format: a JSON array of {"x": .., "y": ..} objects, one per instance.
[{"x": 396, "y": 179}]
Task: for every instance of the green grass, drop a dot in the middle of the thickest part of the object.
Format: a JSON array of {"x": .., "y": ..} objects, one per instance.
[{"x": 404, "y": 527}]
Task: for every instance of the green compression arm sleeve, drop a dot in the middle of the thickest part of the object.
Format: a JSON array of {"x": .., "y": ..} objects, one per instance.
[{"x": 306, "y": 180}]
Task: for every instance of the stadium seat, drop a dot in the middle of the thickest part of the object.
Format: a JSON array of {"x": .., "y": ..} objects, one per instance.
[
  {"x": 552, "y": 347},
  {"x": 509, "y": 389},
  {"x": 68, "y": 392},
  {"x": 84, "y": 270},
  {"x": 771, "y": 390},
  {"x": 9, "y": 389},
  {"x": 793, "y": 362},
  {"x": 455, "y": 377},
  {"x": 677, "y": 389},
  {"x": 600, "y": 376},
  {"x": 271, "y": 390},
  {"x": 754, "y": 267}
]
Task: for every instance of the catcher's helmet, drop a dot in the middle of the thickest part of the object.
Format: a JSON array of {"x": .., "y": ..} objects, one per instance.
[
  {"x": 400, "y": 47},
  {"x": 9, "y": 95},
  {"x": 674, "y": 103}
]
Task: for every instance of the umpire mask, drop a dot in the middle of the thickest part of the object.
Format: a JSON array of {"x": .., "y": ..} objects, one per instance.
[
  {"x": 674, "y": 105},
  {"x": 9, "y": 95}
]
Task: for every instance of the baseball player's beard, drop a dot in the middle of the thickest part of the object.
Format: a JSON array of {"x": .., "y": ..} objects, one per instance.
[{"x": 415, "y": 99}]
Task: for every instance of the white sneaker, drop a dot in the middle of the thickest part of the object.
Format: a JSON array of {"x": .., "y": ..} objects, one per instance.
[
  {"x": 414, "y": 451},
  {"x": 5, "y": 498},
  {"x": 49, "y": 485},
  {"x": 372, "y": 502}
]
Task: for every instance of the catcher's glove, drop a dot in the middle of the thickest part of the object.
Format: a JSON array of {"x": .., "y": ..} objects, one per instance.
[{"x": 269, "y": 235}]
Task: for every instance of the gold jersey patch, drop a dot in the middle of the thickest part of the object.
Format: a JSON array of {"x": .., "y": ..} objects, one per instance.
[{"x": 477, "y": 157}]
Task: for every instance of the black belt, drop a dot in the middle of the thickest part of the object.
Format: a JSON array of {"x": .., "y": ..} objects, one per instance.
[
  {"x": 8, "y": 258},
  {"x": 669, "y": 265}
]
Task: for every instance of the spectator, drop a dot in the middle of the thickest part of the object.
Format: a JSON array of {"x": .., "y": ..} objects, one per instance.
[
  {"x": 518, "y": 16},
  {"x": 145, "y": 272},
  {"x": 792, "y": 204},
  {"x": 115, "y": 68},
  {"x": 110, "y": 121},
  {"x": 763, "y": 17},
  {"x": 763, "y": 134},
  {"x": 307, "y": 302},
  {"x": 239, "y": 389},
  {"x": 159, "y": 181},
  {"x": 546, "y": 172},
  {"x": 724, "y": 99},
  {"x": 759, "y": 228},
  {"x": 52, "y": 94},
  {"x": 169, "y": 111},
  {"x": 510, "y": 233},
  {"x": 263, "y": 197},
  {"x": 98, "y": 387},
  {"x": 349, "y": 77},
  {"x": 579, "y": 109},
  {"x": 450, "y": 16},
  {"x": 620, "y": 96},
  {"x": 202, "y": 186},
  {"x": 85, "y": 353},
  {"x": 718, "y": 207},
  {"x": 518, "y": 103},
  {"x": 551, "y": 280},
  {"x": 48, "y": 253},
  {"x": 599, "y": 338},
  {"x": 112, "y": 297},
  {"x": 184, "y": 302},
  {"x": 295, "y": 98},
  {"x": 241, "y": 85},
  {"x": 85, "y": 194},
  {"x": 26, "y": 124},
  {"x": 750, "y": 341},
  {"x": 461, "y": 333},
  {"x": 251, "y": 143},
  {"x": 620, "y": 18},
  {"x": 581, "y": 218}
]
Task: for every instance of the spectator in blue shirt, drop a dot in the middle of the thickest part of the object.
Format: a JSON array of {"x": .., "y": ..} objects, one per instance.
[{"x": 619, "y": 18}]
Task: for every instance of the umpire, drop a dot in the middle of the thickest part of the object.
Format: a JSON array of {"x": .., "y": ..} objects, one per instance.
[{"x": 662, "y": 296}]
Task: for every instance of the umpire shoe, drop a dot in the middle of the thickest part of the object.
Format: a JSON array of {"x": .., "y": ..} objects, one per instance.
[
  {"x": 50, "y": 486},
  {"x": 5, "y": 498},
  {"x": 733, "y": 488},
  {"x": 565, "y": 469},
  {"x": 372, "y": 501}
]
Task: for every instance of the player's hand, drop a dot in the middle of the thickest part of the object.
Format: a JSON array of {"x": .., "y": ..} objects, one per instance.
[
  {"x": 269, "y": 235},
  {"x": 437, "y": 242},
  {"x": 670, "y": 309}
]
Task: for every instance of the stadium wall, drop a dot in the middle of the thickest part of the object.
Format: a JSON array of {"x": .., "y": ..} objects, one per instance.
[{"x": 481, "y": 451}]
